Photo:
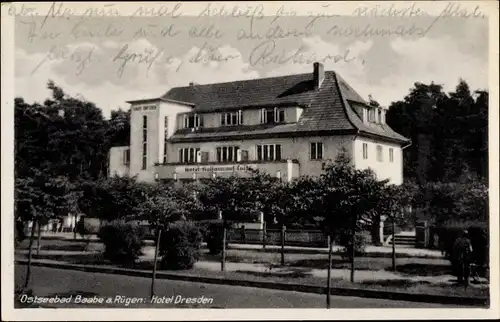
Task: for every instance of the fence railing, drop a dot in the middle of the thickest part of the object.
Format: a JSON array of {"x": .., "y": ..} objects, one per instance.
[{"x": 310, "y": 238}]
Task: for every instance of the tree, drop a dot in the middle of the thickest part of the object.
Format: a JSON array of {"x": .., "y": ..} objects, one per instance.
[
  {"x": 232, "y": 198},
  {"x": 448, "y": 131},
  {"x": 162, "y": 205},
  {"x": 347, "y": 198},
  {"x": 393, "y": 199},
  {"x": 39, "y": 198}
]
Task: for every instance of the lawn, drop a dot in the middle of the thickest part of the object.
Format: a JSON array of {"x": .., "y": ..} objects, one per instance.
[{"x": 405, "y": 265}]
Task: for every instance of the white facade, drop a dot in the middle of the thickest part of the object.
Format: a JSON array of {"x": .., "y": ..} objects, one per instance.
[
  {"x": 389, "y": 166},
  {"x": 298, "y": 149}
]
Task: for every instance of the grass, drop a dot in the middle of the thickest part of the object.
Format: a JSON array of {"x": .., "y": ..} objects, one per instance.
[
  {"x": 406, "y": 265},
  {"x": 409, "y": 266}
]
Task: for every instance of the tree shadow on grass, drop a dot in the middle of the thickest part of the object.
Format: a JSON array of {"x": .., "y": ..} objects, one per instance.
[
  {"x": 402, "y": 283},
  {"x": 84, "y": 258},
  {"x": 417, "y": 269},
  {"x": 288, "y": 272},
  {"x": 337, "y": 263},
  {"x": 231, "y": 258}
]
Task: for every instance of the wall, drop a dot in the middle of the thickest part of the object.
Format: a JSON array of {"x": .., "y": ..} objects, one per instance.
[
  {"x": 385, "y": 169},
  {"x": 291, "y": 148},
  {"x": 116, "y": 166},
  {"x": 155, "y": 136}
]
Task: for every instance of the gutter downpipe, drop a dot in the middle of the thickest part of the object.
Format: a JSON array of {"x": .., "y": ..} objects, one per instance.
[{"x": 406, "y": 146}]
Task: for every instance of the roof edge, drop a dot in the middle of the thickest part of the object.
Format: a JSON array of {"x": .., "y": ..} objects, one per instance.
[
  {"x": 383, "y": 137},
  {"x": 343, "y": 101},
  {"x": 160, "y": 99}
]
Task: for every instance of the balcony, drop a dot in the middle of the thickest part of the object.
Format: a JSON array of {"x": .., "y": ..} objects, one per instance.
[{"x": 288, "y": 169}]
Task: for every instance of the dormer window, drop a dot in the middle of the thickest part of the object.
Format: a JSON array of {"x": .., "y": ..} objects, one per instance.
[
  {"x": 193, "y": 121},
  {"x": 231, "y": 118},
  {"x": 272, "y": 115},
  {"x": 371, "y": 114}
]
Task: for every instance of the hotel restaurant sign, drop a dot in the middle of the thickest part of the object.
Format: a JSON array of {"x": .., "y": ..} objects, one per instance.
[{"x": 216, "y": 168}]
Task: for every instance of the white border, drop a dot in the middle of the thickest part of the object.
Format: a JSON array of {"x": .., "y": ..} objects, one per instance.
[{"x": 342, "y": 8}]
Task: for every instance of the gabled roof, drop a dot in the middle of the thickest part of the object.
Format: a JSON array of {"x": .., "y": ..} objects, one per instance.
[{"x": 326, "y": 110}]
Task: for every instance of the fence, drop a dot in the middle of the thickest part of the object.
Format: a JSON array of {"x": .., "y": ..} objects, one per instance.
[{"x": 312, "y": 238}]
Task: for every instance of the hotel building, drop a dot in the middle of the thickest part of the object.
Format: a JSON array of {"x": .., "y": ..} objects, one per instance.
[{"x": 289, "y": 126}]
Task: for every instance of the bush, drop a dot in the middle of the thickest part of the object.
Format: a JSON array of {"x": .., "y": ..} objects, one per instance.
[
  {"x": 180, "y": 246},
  {"x": 345, "y": 241},
  {"x": 214, "y": 237},
  {"x": 122, "y": 241},
  {"x": 478, "y": 235}
]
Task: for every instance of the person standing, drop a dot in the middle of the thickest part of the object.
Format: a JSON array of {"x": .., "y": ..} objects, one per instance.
[{"x": 462, "y": 250}]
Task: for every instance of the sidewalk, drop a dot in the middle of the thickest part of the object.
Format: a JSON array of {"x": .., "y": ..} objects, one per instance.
[{"x": 405, "y": 251}]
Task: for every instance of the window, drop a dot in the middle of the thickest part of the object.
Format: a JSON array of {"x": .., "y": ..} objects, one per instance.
[
  {"x": 365, "y": 151},
  {"x": 231, "y": 118},
  {"x": 165, "y": 139},
  {"x": 193, "y": 120},
  {"x": 272, "y": 115},
  {"x": 189, "y": 155},
  {"x": 227, "y": 153},
  {"x": 391, "y": 155},
  {"x": 316, "y": 151},
  {"x": 371, "y": 115},
  {"x": 269, "y": 152},
  {"x": 379, "y": 153},
  {"x": 144, "y": 142},
  {"x": 126, "y": 157}
]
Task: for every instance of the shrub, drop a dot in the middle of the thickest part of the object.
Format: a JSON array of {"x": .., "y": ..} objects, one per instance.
[
  {"x": 345, "y": 240},
  {"x": 180, "y": 246},
  {"x": 122, "y": 241}
]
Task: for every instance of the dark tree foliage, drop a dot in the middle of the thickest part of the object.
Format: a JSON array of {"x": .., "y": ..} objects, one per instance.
[{"x": 449, "y": 132}]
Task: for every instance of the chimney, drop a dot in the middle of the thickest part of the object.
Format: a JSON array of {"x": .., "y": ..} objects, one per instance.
[
  {"x": 191, "y": 84},
  {"x": 319, "y": 75}
]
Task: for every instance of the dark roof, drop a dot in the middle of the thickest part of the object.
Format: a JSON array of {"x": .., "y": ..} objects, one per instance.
[{"x": 326, "y": 109}]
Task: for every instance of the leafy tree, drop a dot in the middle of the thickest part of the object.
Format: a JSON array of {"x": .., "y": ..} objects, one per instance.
[
  {"x": 347, "y": 201},
  {"x": 448, "y": 131},
  {"x": 392, "y": 201},
  {"x": 233, "y": 198},
  {"x": 37, "y": 199},
  {"x": 162, "y": 205}
]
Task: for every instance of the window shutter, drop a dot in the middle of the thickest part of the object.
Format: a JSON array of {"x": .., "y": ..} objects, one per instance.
[
  {"x": 263, "y": 115},
  {"x": 240, "y": 117},
  {"x": 222, "y": 119}
]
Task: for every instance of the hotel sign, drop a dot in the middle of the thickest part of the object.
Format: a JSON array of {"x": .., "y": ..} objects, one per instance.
[{"x": 216, "y": 168}]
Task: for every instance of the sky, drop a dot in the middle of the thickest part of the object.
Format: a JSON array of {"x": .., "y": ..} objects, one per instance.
[{"x": 110, "y": 60}]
